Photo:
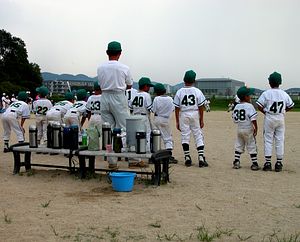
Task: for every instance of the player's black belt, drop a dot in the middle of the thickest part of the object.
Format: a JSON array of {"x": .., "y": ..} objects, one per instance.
[
  {"x": 13, "y": 111},
  {"x": 95, "y": 114},
  {"x": 143, "y": 114},
  {"x": 73, "y": 112},
  {"x": 57, "y": 109}
]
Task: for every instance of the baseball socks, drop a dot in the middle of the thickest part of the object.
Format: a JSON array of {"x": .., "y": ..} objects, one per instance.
[
  {"x": 267, "y": 165},
  {"x": 187, "y": 157},
  {"x": 201, "y": 158},
  {"x": 237, "y": 157},
  {"x": 254, "y": 166}
]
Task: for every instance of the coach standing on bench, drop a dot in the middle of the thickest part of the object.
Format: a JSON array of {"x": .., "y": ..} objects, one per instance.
[{"x": 114, "y": 78}]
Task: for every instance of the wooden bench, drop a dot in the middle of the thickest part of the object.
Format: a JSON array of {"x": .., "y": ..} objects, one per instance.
[{"x": 160, "y": 160}]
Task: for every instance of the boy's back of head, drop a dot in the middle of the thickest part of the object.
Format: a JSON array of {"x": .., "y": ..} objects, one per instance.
[{"x": 275, "y": 79}]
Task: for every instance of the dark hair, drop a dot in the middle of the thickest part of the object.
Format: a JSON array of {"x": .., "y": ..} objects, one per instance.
[
  {"x": 113, "y": 52},
  {"x": 161, "y": 92},
  {"x": 273, "y": 84}
]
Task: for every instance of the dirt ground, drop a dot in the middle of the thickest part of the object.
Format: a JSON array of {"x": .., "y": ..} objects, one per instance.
[{"x": 216, "y": 203}]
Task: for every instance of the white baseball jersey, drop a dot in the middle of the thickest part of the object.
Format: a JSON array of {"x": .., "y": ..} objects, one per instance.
[
  {"x": 189, "y": 99},
  {"x": 63, "y": 106},
  {"x": 141, "y": 103},
  {"x": 41, "y": 106},
  {"x": 129, "y": 94},
  {"x": 93, "y": 105},
  {"x": 78, "y": 109},
  {"x": 243, "y": 115},
  {"x": 10, "y": 119},
  {"x": 162, "y": 108},
  {"x": 274, "y": 102},
  {"x": 113, "y": 75}
]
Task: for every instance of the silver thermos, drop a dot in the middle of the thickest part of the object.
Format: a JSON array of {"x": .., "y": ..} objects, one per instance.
[
  {"x": 33, "y": 136},
  {"x": 56, "y": 129},
  {"x": 106, "y": 135},
  {"x": 155, "y": 144},
  {"x": 141, "y": 142}
]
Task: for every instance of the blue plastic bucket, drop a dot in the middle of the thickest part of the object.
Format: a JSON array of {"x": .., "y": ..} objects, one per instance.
[{"x": 122, "y": 181}]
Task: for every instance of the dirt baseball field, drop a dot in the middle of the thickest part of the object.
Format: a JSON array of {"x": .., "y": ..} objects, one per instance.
[{"x": 216, "y": 203}]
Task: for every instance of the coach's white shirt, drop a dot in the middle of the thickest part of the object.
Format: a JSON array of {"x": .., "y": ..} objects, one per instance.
[{"x": 114, "y": 76}]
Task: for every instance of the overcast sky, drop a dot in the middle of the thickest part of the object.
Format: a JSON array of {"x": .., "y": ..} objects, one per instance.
[{"x": 241, "y": 39}]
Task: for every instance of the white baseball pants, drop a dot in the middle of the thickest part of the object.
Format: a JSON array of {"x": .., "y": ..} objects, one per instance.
[
  {"x": 11, "y": 123},
  {"x": 163, "y": 124},
  {"x": 245, "y": 138}
]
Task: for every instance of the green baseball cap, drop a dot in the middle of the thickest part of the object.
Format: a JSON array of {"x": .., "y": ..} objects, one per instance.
[
  {"x": 81, "y": 94},
  {"x": 145, "y": 81},
  {"x": 189, "y": 76},
  {"x": 275, "y": 78},
  {"x": 245, "y": 91},
  {"x": 42, "y": 90},
  {"x": 69, "y": 96},
  {"x": 158, "y": 87},
  {"x": 114, "y": 46},
  {"x": 96, "y": 85},
  {"x": 22, "y": 96}
]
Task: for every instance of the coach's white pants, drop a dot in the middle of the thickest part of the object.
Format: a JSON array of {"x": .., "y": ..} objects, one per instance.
[
  {"x": 114, "y": 108},
  {"x": 41, "y": 125},
  {"x": 163, "y": 124},
  {"x": 54, "y": 115},
  {"x": 274, "y": 129},
  {"x": 10, "y": 122},
  {"x": 245, "y": 138},
  {"x": 189, "y": 122}
]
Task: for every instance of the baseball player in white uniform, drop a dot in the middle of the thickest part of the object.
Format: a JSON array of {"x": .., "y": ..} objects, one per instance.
[
  {"x": 58, "y": 111},
  {"x": 114, "y": 78},
  {"x": 244, "y": 115},
  {"x": 73, "y": 115},
  {"x": 129, "y": 94},
  {"x": 163, "y": 107},
  {"x": 10, "y": 120},
  {"x": 40, "y": 108},
  {"x": 5, "y": 101},
  {"x": 93, "y": 107},
  {"x": 189, "y": 104},
  {"x": 274, "y": 103},
  {"x": 141, "y": 104}
]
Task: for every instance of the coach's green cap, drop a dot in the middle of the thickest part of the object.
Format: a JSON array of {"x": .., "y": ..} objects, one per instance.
[
  {"x": 96, "y": 85},
  {"x": 81, "y": 94},
  {"x": 275, "y": 78},
  {"x": 22, "y": 96},
  {"x": 145, "y": 81},
  {"x": 42, "y": 90},
  {"x": 158, "y": 88},
  {"x": 245, "y": 91},
  {"x": 69, "y": 96},
  {"x": 189, "y": 76},
  {"x": 114, "y": 46}
]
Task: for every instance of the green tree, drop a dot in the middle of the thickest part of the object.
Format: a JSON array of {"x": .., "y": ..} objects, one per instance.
[{"x": 16, "y": 72}]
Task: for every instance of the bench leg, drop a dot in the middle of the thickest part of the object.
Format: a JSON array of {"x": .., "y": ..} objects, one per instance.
[
  {"x": 82, "y": 167},
  {"x": 17, "y": 162},
  {"x": 27, "y": 161},
  {"x": 92, "y": 164},
  {"x": 157, "y": 172}
]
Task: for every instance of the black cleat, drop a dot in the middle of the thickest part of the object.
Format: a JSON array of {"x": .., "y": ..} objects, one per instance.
[
  {"x": 267, "y": 166},
  {"x": 278, "y": 166},
  {"x": 5, "y": 150},
  {"x": 172, "y": 160},
  {"x": 255, "y": 166},
  {"x": 202, "y": 162},
  {"x": 236, "y": 165},
  {"x": 188, "y": 161}
]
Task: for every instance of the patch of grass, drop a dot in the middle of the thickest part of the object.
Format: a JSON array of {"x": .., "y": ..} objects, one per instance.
[
  {"x": 88, "y": 237},
  {"x": 112, "y": 233},
  {"x": 46, "y": 204},
  {"x": 53, "y": 230},
  {"x": 168, "y": 237},
  {"x": 275, "y": 237},
  {"x": 244, "y": 238},
  {"x": 30, "y": 172},
  {"x": 297, "y": 205},
  {"x": 7, "y": 219},
  {"x": 135, "y": 237},
  {"x": 156, "y": 224},
  {"x": 204, "y": 234}
]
